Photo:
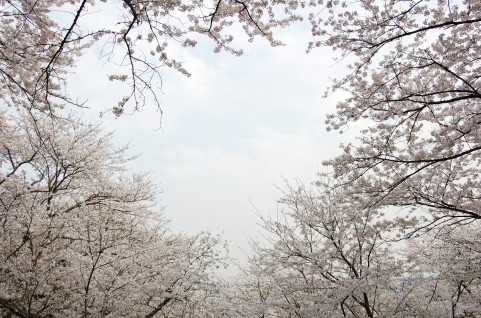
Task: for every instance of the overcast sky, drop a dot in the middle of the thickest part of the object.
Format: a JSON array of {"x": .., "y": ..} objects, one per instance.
[{"x": 231, "y": 133}]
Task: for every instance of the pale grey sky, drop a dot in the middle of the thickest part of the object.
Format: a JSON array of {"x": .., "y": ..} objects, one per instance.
[{"x": 230, "y": 133}]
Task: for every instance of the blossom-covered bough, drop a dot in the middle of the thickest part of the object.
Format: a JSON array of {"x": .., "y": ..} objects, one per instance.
[
  {"x": 42, "y": 40},
  {"x": 415, "y": 82}
]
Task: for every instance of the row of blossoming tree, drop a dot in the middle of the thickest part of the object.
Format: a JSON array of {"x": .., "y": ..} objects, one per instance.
[{"x": 392, "y": 231}]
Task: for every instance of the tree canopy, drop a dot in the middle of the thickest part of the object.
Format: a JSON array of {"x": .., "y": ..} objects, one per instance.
[
  {"x": 328, "y": 256},
  {"x": 81, "y": 237},
  {"x": 391, "y": 231}
]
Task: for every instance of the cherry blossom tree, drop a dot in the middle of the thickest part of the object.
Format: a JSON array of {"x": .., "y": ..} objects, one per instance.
[
  {"x": 448, "y": 260},
  {"x": 42, "y": 40},
  {"x": 328, "y": 258},
  {"x": 415, "y": 84},
  {"x": 80, "y": 237}
]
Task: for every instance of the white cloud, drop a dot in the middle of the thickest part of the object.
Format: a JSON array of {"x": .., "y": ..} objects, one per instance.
[
  {"x": 230, "y": 133},
  {"x": 211, "y": 188}
]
